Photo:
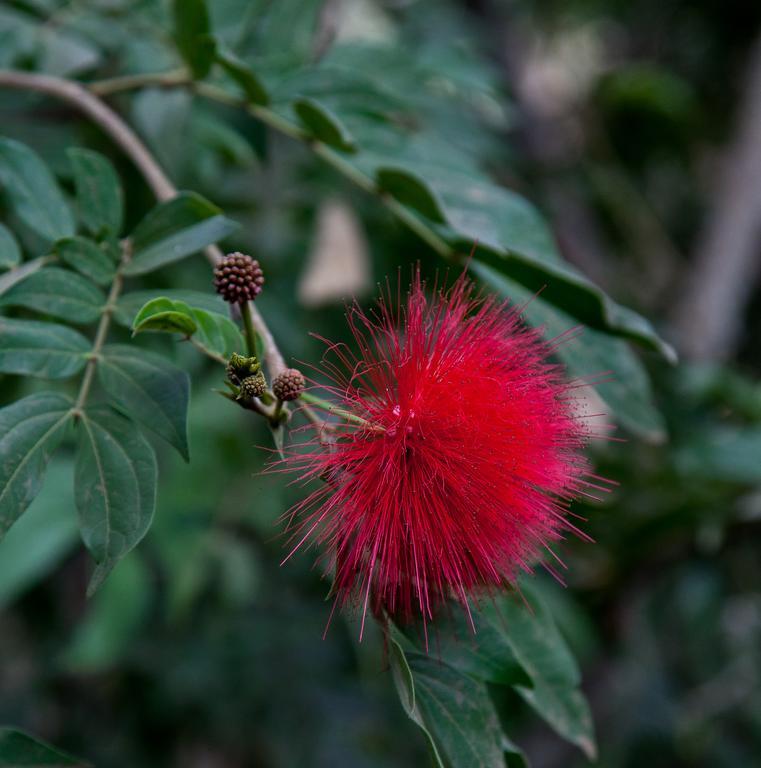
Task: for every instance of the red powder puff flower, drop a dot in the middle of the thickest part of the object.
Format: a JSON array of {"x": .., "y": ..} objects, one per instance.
[{"x": 464, "y": 450}]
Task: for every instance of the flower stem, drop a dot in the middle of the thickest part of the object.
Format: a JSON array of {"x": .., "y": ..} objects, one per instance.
[
  {"x": 334, "y": 410},
  {"x": 248, "y": 324}
]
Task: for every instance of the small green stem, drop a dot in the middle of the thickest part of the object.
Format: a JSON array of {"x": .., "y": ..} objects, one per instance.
[
  {"x": 334, "y": 410},
  {"x": 102, "y": 333},
  {"x": 249, "y": 326},
  {"x": 132, "y": 82},
  {"x": 213, "y": 355}
]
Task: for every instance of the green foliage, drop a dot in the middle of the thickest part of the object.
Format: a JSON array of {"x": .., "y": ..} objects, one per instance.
[
  {"x": 114, "y": 486},
  {"x": 453, "y": 710},
  {"x": 47, "y": 350},
  {"x": 87, "y": 257},
  {"x": 147, "y": 385},
  {"x": 115, "y": 470},
  {"x": 176, "y": 229},
  {"x": 59, "y": 293},
  {"x": 10, "y": 252},
  {"x": 244, "y": 76},
  {"x": 193, "y": 35},
  {"x": 31, "y": 430},
  {"x": 100, "y": 199},
  {"x": 503, "y": 643},
  {"x": 32, "y": 192},
  {"x": 213, "y": 333}
]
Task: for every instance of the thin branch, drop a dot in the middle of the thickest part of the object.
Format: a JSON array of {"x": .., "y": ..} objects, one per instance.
[
  {"x": 102, "y": 333},
  {"x": 93, "y": 107},
  {"x": 336, "y": 161},
  {"x": 101, "y": 114},
  {"x": 280, "y": 124},
  {"x": 132, "y": 82}
]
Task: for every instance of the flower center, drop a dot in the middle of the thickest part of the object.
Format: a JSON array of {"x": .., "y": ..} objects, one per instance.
[{"x": 404, "y": 423}]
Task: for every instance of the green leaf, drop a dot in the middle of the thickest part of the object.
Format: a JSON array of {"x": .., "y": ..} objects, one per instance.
[
  {"x": 30, "y": 430},
  {"x": 47, "y": 350},
  {"x": 57, "y": 292},
  {"x": 324, "y": 124},
  {"x": 21, "y": 272},
  {"x": 10, "y": 252},
  {"x": 149, "y": 389},
  {"x": 42, "y": 537},
  {"x": 215, "y": 333},
  {"x": 165, "y": 316},
  {"x": 627, "y": 390},
  {"x": 542, "y": 652},
  {"x": 99, "y": 194},
  {"x": 174, "y": 230},
  {"x": 453, "y": 710},
  {"x": 114, "y": 487},
  {"x": 19, "y": 750},
  {"x": 192, "y": 33},
  {"x": 411, "y": 190},
  {"x": 32, "y": 192},
  {"x": 462, "y": 207},
  {"x": 505, "y": 232},
  {"x": 484, "y": 653},
  {"x": 131, "y": 303},
  {"x": 87, "y": 257},
  {"x": 113, "y": 618},
  {"x": 244, "y": 76},
  {"x": 570, "y": 291}
]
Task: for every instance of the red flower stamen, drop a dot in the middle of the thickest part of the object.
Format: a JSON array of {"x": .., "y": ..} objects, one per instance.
[{"x": 464, "y": 451}]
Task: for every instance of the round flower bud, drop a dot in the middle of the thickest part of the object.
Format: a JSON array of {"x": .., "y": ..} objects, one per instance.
[
  {"x": 289, "y": 384},
  {"x": 238, "y": 278},
  {"x": 253, "y": 386}
]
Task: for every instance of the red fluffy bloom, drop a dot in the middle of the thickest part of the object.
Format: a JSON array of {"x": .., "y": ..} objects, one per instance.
[{"x": 465, "y": 449}]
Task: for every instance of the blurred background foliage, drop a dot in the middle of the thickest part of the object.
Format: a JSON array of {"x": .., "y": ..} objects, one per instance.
[{"x": 620, "y": 121}]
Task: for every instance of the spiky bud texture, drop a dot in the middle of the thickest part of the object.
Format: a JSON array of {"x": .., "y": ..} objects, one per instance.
[
  {"x": 238, "y": 278},
  {"x": 289, "y": 384},
  {"x": 253, "y": 386},
  {"x": 241, "y": 367}
]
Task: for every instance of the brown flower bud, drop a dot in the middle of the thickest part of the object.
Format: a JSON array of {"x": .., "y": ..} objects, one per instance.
[
  {"x": 289, "y": 384},
  {"x": 238, "y": 278}
]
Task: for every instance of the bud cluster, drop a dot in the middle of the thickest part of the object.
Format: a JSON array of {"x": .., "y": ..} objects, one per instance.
[
  {"x": 246, "y": 374},
  {"x": 238, "y": 278}
]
